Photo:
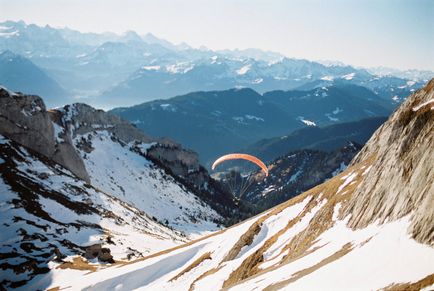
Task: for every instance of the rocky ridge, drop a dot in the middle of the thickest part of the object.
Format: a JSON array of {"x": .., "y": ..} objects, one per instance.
[{"x": 400, "y": 181}]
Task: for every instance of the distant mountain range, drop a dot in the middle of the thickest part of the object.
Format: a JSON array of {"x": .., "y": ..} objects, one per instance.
[
  {"x": 216, "y": 122},
  {"x": 109, "y": 70}
]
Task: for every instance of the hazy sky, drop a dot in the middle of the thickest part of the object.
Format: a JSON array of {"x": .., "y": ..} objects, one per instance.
[{"x": 392, "y": 33}]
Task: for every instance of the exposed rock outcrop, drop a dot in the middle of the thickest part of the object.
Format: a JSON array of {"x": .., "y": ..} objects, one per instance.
[
  {"x": 24, "y": 119},
  {"x": 98, "y": 252},
  {"x": 80, "y": 118},
  {"x": 401, "y": 179}
]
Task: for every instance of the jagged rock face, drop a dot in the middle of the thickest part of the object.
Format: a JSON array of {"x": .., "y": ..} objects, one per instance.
[
  {"x": 25, "y": 120},
  {"x": 80, "y": 118},
  {"x": 401, "y": 178},
  {"x": 180, "y": 161}
]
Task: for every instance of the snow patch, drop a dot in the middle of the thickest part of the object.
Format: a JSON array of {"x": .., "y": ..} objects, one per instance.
[
  {"x": 416, "y": 108},
  {"x": 327, "y": 78},
  {"x": 348, "y": 76},
  {"x": 243, "y": 70},
  {"x": 151, "y": 68},
  {"x": 168, "y": 107},
  {"x": 252, "y": 117},
  {"x": 348, "y": 179},
  {"x": 257, "y": 81},
  {"x": 306, "y": 121}
]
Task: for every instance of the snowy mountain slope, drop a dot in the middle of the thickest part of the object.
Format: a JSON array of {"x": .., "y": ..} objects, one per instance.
[
  {"x": 122, "y": 160},
  {"x": 131, "y": 177},
  {"x": 109, "y": 202},
  {"x": 48, "y": 213},
  {"x": 328, "y": 238}
]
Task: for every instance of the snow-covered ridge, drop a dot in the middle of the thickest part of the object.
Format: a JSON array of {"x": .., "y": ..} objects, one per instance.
[
  {"x": 117, "y": 169},
  {"x": 62, "y": 215}
]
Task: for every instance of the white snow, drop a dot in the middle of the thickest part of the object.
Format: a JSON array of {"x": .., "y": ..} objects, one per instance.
[
  {"x": 383, "y": 253},
  {"x": 348, "y": 76},
  {"x": 168, "y": 107},
  {"x": 336, "y": 211},
  {"x": 252, "y": 117},
  {"x": 257, "y": 81},
  {"x": 410, "y": 83},
  {"x": 416, "y": 108},
  {"x": 268, "y": 190},
  {"x": 151, "y": 68},
  {"x": 129, "y": 176},
  {"x": 348, "y": 179},
  {"x": 180, "y": 68},
  {"x": 129, "y": 228},
  {"x": 366, "y": 171},
  {"x": 308, "y": 122},
  {"x": 57, "y": 131},
  {"x": 243, "y": 70},
  {"x": 9, "y": 34},
  {"x": 327, "y": 78},
  {"x": 273, "y": 254}
]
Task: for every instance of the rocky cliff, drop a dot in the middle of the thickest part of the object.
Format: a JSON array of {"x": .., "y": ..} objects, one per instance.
[
  {"x": 401, "y": 179},
  {"x": 25, "y": 119}
]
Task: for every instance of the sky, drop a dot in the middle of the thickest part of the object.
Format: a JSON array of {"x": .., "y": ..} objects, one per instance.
[{"x": 368, "y": 33}]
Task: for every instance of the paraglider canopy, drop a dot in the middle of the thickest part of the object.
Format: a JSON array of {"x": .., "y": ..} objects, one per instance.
[
  {"x": 238, "y": 184},
  {"x": 237, "y": 156}
]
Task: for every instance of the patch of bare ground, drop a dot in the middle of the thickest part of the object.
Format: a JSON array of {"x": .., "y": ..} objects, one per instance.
[
  {"x": 78, "y": 264},
  {"x": 425, "y": 282},
  {"x": 246, "y": 239},
  {"x": 342, "y": 252},
  {"x": 197, "y": 262}
]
